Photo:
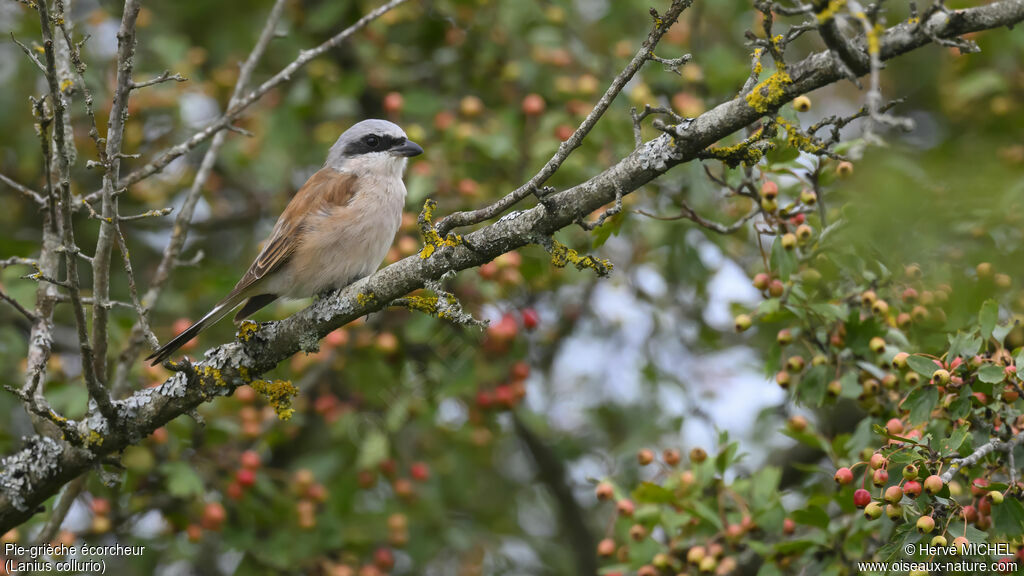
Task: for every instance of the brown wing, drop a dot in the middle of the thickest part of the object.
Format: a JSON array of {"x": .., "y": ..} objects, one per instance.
[{"x": 324, "y": 189}]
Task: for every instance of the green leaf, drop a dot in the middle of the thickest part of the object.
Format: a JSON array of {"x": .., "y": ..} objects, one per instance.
[
  {"x": 921, "y": 402},
  {"x": 991, "y": 374},
  {"x": 726, "y": 457},
  {"x": 1008, "y": 518},
  {"x": 812, "y": 516},
  {"x": 964, "y": 345},
  {"x": 988, "y": 317},
  {"x": 923, "y": 365},
  {"x": 182, "y": 479},
  {"x": 653, "y": 493},
  {"x": 782, "y": 262},
  {"x": 951, "y": 445},
  {"x": 373, "y": 450},
  {"x": 1019, "y": 363},
  {"x": 611, "y": 227}
]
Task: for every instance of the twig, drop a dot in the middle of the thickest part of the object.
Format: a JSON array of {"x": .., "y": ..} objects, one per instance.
[
  {"x": 615, "y": 209},
  {"x": 32, "y": 194},
  {"x": 169, "y": 259},
  {"x": 993, "y": 445},
  {"x": 233, "y": 112},
  {"x": 60, "y": 510},
  {"x": 649, "y": 111},
  {"x": 97, "y": 390},
  {"x": 688, "y": 213},
  {"x": 163, "y": 77},
  {"x": 17, "y": 306},
  {"x": 661, "y": 26},
  {"x": 112, "y": 164},
  {"x": 28, "y": 52}
]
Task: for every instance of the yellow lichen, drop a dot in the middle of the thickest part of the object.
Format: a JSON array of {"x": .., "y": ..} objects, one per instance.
[
  {"x": 211, "y": 374},
  {"x": 430, "y": 304},
  {"x": 93, "y": 439},
  {"x": 797, "y": 139},
  {"x": 366, "y": 298},
  {"x": 65, "y": 85},
  {"x": 770, "y": 93},
  {"x": 243, "y": 371},
  {"x": 830, "y": 11},
  {"x": 431, "y": 239},
  {"x": 247, "y": 330},
  {"x": 758, "y": 68},
  {"x": 562, "y": 255},
  {"x": 278, "y": 394},
  {"x": 742, "y": 153},
  {"x": 874, "y": 39}
]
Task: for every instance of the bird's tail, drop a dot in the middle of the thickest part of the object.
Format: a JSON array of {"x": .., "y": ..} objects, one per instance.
[{"x": 219, "y": 311}]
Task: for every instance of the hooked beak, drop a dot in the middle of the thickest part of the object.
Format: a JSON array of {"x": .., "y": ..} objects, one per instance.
[{"x": 407, "y": 149}]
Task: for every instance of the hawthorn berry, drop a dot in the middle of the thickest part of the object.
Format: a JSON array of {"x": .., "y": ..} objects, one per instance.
[
  {"x": 861, "y": 498},
  {"x": 671, "y": 457},
  {"x": 925, "y": 524},
  {"x": 801, "y": 103},
  {"x": 933, "y": 484},
  {"x": 606, "y": 547},
  {"x": 893, "y": 494},
  {"x": 698, "y": 455},
  {"x": 761, "y": 281},
  {"x": 880, "y": 477},
  {"x": 873, "y": 511},
  {"x": 912, "y": 488},
  {"x": 899, "y": 361},
  {"x": 843, "y": 476},
  {"x": 604, "y": 491},
  {"x": 625, "y": 507},
  {"x": 742, "y": 322}
]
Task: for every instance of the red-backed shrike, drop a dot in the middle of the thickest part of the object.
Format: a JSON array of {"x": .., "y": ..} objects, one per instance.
[{"x": 335, "y": 230}]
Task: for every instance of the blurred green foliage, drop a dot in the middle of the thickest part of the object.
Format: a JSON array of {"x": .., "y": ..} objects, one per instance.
[{"x": 403, "y": 442}]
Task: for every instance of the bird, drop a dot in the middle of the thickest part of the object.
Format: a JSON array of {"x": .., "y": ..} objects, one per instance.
[{"x": 335, "y": 230}]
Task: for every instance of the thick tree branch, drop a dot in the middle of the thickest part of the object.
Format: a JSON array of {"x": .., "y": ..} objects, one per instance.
[{"x": 35, "y": 473}]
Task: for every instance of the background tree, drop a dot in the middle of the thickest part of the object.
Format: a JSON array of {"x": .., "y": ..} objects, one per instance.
[{"x": 384, "y": 430}]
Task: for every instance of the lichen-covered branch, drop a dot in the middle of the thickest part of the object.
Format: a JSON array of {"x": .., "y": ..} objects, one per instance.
[{"x": 36, "y": 472}]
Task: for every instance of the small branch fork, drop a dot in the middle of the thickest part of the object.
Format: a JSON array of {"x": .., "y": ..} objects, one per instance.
[
  {"x": 662, "y": 23},
  {"x": 994, "y": 445}
]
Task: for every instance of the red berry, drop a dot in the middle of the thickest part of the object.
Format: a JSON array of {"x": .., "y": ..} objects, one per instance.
[
  {"x": 366, "y": 479},
  {"x": 245, "y": 477},
  {"x": 969, "y": 513},
  {"x": 912, "y": 488},
  {"x": 213, "y": 516},
  {"x": 235, "y": 491},
  {"x": 383, "y": 558},
  {"x": 389, "y": 468},
  {"x": 250, "y": 459},
  {"x": 843, "y": 476},
  {"x": 933, "y": 484},
  {"x": 880, "y": 477},
  {"x": 419, "y": 471},
  {"x": 393, "y": 102},
  {"x": 894, "y": 426},
  {"x": 979, "y": 487},
  {"x": 530, "y": 318},
  {"x": 520, "y": 371},
  {"x": 788, "y": 526},
  {"x": 100, "y": 506},
  {"x": 861, "y": 498},
  {"x": 533, "y": 105},
  {"x": 625, "y": 507},
  {"x": 484, "y": 399}
]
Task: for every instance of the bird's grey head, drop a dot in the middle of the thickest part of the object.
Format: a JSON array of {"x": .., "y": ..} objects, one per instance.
[{"x": 372, "y": 145}]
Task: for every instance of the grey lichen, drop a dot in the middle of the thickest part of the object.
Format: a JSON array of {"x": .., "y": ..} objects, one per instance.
[
  {"x": 175, "y": 387},
  {"x": 34, "y": 463}
]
